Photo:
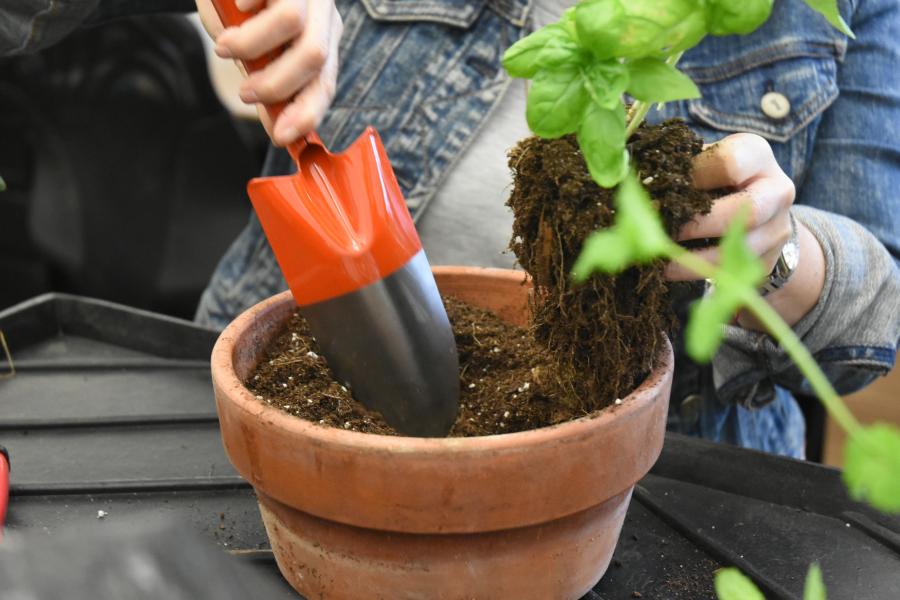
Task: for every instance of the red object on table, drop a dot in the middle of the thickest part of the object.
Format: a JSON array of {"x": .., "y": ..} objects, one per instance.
[{"x": 4, "y": 486}]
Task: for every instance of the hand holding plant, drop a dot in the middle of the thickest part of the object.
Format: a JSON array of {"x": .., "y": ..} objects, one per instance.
[{"x": 743, "y": 163}]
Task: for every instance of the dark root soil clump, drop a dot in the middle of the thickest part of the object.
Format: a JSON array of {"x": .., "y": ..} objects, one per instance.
[
  {"x": 507, "y": 382},
  {"x": 604, "y": 333}
]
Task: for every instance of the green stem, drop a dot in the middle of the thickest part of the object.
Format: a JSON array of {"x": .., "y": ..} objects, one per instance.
[
  {"x": 791, "y": 344},
  {"x": 701, "y": 267},
  {"x": 636, "y": 116},
  {"x": 640, "y": 108},
  {"x": 590, "y": 89},
  {"x": 782, "y": 333}
]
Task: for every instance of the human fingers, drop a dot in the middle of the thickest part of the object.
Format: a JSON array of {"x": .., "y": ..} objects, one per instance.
[
  {"x": 306, "y": 110},
  {"x": 301, "y": 62},
  {"x": 733, "y": 161},
  {"x": 765, "y": 241},
  {"x": 268, "y": 30},
  {"x": 760, "y": 200}
]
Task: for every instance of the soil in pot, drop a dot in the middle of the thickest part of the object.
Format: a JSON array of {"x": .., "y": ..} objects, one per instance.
[
  {"x": 589, "y": 344},
  {"x": 506, "y": 380}
]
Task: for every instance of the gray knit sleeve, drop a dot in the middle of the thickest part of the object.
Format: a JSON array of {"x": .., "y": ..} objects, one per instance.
[{"x": 852, "y": 331}]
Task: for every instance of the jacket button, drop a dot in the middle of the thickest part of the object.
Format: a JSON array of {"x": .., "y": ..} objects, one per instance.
[
  {"x": 775, "y": 105},
  {"x": 689, "y": 409}
]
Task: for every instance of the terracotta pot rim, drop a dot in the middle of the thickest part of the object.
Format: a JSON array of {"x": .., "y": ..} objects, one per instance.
[{"x": 223, "y": 368}]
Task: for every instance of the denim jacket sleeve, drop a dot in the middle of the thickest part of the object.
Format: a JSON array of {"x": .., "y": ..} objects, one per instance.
[{"x": 848, "y": 199}]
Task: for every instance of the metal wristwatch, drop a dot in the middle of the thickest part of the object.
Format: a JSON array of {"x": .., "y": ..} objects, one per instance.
[{"x": 785, "y": 265}]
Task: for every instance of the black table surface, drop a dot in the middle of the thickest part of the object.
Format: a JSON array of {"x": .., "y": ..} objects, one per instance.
[{"x": 110, "y": 423}]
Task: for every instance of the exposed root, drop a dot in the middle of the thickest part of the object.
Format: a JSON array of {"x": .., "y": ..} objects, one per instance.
[{"x": 602, "y": 334}]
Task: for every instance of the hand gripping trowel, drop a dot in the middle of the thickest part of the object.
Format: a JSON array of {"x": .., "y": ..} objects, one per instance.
[{"x": 347, "y": 246}]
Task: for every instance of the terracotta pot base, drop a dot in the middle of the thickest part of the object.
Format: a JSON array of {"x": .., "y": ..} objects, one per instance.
[{"x": 559, "y": 560}]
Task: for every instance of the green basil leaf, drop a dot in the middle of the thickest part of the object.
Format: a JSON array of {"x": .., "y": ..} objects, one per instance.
[
  {"x": 652, "y": 80},
  {"x": 727, "y": 17},
  {"x": 686, "y": 34},
  {"x": 556, "y": 102},
  {"x": 636, "y": 237},
  {"x": 605, "y": 251},
  {"x": 599, "y": 24},
  {"x": 872, "y": 466},
  {"x": 636, "y": 28},
  {"x": 705, "y": 327},
  {"x": 568, "y": 22},
  {"x": 731, "y": 584},
  {"x": 639, "y": 221},
  {"x": 739, "y": 272},
  {"x": 2, "y": 185},
  {"x": 829, "y": 10},
  {"x": 649, "y": 25},
  {"x": 738, "y": 263},
  {"x": 523, "y": 59},
  {"x": 606, "y": 82},
  {"x": 601, "y": 137},
  {"x": 814, "y": 589},
  {"x": 560, "y": 51}
]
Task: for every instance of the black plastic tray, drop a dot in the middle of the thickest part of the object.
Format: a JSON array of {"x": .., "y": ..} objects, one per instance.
[{"x": 112, "y": 410}]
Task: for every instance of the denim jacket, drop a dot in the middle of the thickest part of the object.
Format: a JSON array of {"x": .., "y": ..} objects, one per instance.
[{"x": 427, "y": 73}]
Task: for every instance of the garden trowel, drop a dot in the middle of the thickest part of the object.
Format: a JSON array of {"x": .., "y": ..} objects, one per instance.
[{"x": 347, "y": 246}]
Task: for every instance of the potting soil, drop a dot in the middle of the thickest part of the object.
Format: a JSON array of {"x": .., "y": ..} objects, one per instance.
[
  {"x": 603, "y": 334},
  {"x": 507, "y": 382}
]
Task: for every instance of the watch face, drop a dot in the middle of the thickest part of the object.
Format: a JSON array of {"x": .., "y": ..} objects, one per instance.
[{"x": 791, "y": 254}]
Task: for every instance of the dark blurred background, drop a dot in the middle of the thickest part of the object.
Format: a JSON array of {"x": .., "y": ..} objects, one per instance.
[{"x": 125, "y": 173}]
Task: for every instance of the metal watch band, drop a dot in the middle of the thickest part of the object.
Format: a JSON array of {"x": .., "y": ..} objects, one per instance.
[{"x": 786, "y": 263}]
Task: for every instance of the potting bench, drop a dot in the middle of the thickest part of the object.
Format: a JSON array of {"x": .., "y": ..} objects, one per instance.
[{"x": 110, "y": 424}]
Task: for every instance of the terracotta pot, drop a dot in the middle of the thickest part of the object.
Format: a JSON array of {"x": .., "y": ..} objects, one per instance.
[{"x": 534, "y": 514}]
